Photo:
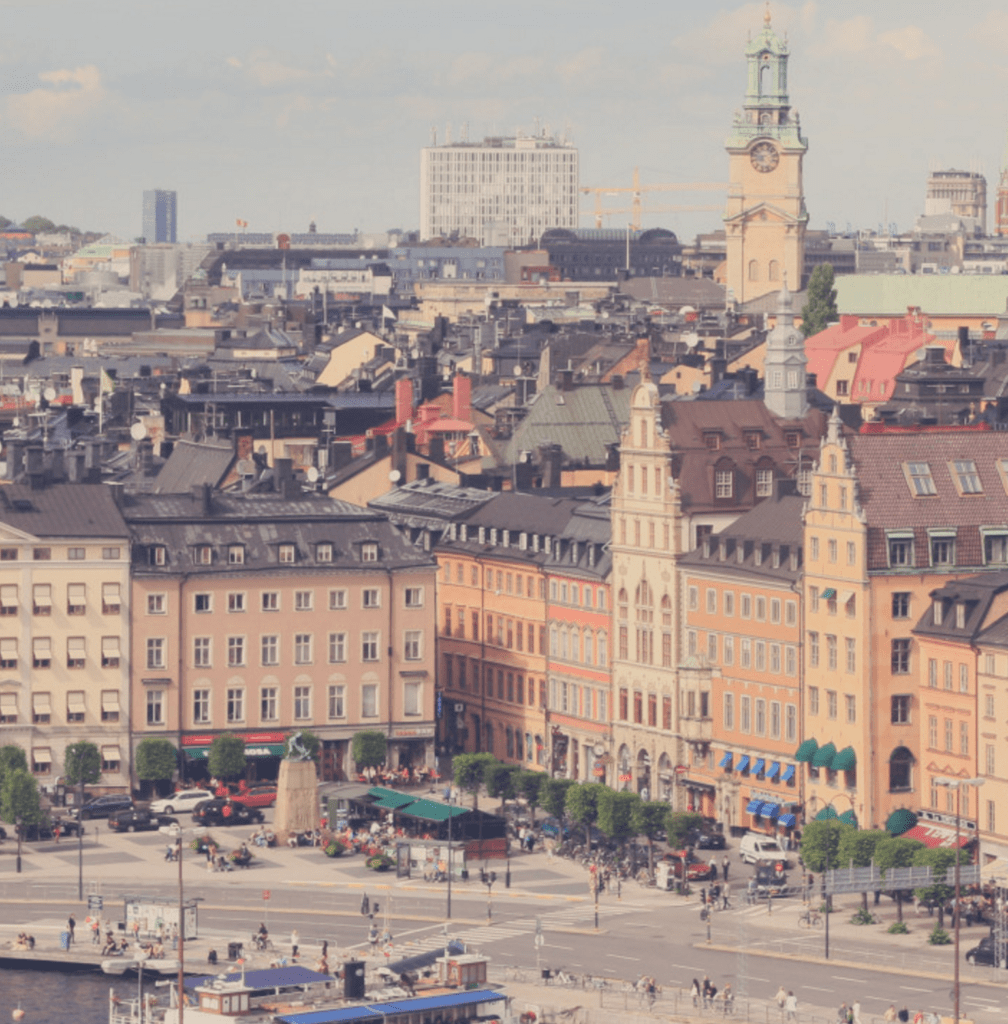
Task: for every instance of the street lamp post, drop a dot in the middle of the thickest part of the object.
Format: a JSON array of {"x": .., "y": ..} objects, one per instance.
[
  {"x": 17, "y": 828},
  {"x": 957, "y": 785},
  {"x": 827, "y": 901}
]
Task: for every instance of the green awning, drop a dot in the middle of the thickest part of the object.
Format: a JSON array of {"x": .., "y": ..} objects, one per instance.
[
  {"x": 431, "y": 810},
  {"x": 849, "y": 818},
  {"x": 394, "y": 801},
  {"x": 900, "y": 821},
  {"x": 824, "y": 756},
  {"x": 845, "y": 760},
  {"x": 826, "y": 814},
  {"x": 807, "y": 750}
]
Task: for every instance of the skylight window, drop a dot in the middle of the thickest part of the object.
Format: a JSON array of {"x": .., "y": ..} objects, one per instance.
[
  {"x": 921, "y": 481},
  {"x": 967, "y": 477}
]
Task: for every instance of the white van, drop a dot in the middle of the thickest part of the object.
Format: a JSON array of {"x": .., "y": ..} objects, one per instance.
[{"x": 755, "y": 847}]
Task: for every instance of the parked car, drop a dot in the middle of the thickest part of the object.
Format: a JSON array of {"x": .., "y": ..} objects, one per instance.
[
  {"x": 257, "y": 796},
  {"x": 985, "y": 953},
  {"x": 755, "y": 847},
  {"x": 49, "y": 827},
  {"x": 137, "y": 819},
  {"x": 222, "y": 811},
  {"x": 102, "y": 806},
  {"x": 550, "y": 828},
  {"x": 706, "y": 840},
  {"x": 182, "y": 801},
  {"x": 696, "y": 870}
]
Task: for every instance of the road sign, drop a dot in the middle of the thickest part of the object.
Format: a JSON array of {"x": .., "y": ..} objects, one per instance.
[
  {"x": 94, "y": 902},
  {"x": 266, "y": 894}
]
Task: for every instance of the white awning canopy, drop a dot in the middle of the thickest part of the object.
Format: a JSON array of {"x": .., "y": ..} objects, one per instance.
[
  {"x": 40, "y": 703},
  {"x": 41, "y": 755},
  {"x": 8, "y": 648},
  {"x": 76, "y": 646},
  {"x": 110, "y": 700},
  {"x": 41, "y": 646},
  {"x": 42, "y": 595},
  {"x": 8, "y": 702},
  {"x": 76, "y": 593},
  {"x": 8, "y": 595},
  {"x": 110, "y": 645},
  {"x": 110, "y": 753},
  {"x": 75, "y": 699}
]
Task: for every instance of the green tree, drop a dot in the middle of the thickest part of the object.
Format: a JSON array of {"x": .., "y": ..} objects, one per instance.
[
  {"x": 939, "y": 860},
  {"x": 820, "y": 305},
  {"x": 581, "y": 805},
  {"x": 310, "y": 742},
  {"x": 615, "y": 814},
  {"x": 369, "y": 749},
  {"x": 5, "y": 223},
  {"x": 648, "y": 819},
  {"x": 897, "y": 852},
  {"x": 38, "y": 223},
  {"x": 553, "y": 798},
  {"x": 857, "y": 847},
  {"x": 678, "y": 825},
  {"x": 499, "y": 779},
  {"x": 156, "y": 760},
  {"x": 227, "y": 756},
  {"x": 527, "y": 783},
  {"x": 820, "y": 844},
  {"x": 20, "y": 798},
  {"x": 12, "y": 758},
  {"x": 469, "y": 771},
  {"x": 82, "y": 764}
]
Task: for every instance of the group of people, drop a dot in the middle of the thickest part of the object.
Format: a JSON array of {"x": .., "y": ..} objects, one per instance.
[
  {"x": 903, "y": 1016},
  {"x": 788, "y": 1003},
  {"x": 403, "y": 776},
  {"x": 704, "y": 995},
  {"x": 24, "y": 942},
  {"x": 709, "y": 897}
]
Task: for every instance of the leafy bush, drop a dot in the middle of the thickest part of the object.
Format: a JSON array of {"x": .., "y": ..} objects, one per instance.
[
  {"x": 201, "y": 844},
  {"x": 897, "y": 928},
  {"x": 863, "y": 917},
  {"x": 334, "y": 849},
  {"x": 379, "y": 862},
  {"x": 938, "y": 936}
]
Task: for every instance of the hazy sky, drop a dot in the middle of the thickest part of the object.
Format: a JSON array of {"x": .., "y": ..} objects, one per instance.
[{"x": 317, "y": 109}]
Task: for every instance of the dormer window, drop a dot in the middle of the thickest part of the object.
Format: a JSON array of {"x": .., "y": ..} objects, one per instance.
[
  {"x": 754, "y": 440},
  {"x": 204, "y": 554},
  {"x": 791, "y": 439},
  {"x": 996, "y": 548},
  {"x": 323, "y": 552},
  {"x": 922, "y": 484},
  {"x": 158, "y": 555},
  {"x": 369, "y": 552},
  {"x": 960, "y": 615},
  {"x": 713, "y": 441},
  {"x": 493, "y": 536},
  {"x": 285, "y": 553},
  {"x": 937, "y": 610},
  {"x": 724, "y": 484},
  {"x": 942, "y": 549},
  {"x": 967, "y": 479},
  {"x": 482, "y": 535},
  {"x": 236, "y": 554}
]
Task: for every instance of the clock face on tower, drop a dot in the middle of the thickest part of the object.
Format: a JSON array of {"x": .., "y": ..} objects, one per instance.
[{"x": 764, "y": 157}]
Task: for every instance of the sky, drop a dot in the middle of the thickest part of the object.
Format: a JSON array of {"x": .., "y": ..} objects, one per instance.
[{"x": 279, "y": 114}]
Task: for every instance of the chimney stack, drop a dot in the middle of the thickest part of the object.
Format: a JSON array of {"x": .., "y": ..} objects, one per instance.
[
  {"x": 462, "y": 398},
  {"x": 404, "y": 400}
]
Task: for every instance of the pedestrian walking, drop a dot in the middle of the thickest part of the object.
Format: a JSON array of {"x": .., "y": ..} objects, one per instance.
[
  {"x": 890, "y": 1014},
  {"x": 725, "y": 893},
  {"x": 365, "y": 905},
  {"x": 724, "y": 868},
  {"x": 695, "y": 993},
  {"x": 856, "y": 1012},
  {"x": 781, "y": 997},
  {"x": 71, "y": 924},
  {"x": 791, "y": 1006},
  {"x": 703, "y": 897},
  {"x": 95, "y": 931},
  {"x": 295, "y": 942}
]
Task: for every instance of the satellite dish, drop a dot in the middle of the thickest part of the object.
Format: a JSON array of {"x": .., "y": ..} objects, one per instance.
[
  {"x": 138, "y": 431},
  {"x": 395, "y": 476},
  {"x": 50, "y": 394},
  {"x": 312, "y": 474}
]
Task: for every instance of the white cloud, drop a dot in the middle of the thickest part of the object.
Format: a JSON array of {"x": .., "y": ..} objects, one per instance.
[
  {"x": 66, "y": 98},
  {"x": 910, "y": 42}
]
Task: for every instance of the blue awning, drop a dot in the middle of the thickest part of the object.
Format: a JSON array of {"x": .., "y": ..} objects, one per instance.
[
  {"x": 743, "y": 763},
  {"x": 758, "y": 766},
  {"x": 769, "y": 810},
  {"x": 726, "y": 761},
  {"x": 753, "y": 807},
  {"x": 773, "y": 770},
  {"x": 787, "y": 820},
  {"x": 788, "y": 774}
]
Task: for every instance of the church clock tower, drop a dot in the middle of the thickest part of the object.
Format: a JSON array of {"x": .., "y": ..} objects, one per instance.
[{"x": 765, "y": 217}]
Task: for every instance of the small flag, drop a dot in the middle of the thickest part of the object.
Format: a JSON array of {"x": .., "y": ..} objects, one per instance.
[
  {"x": 387, "y": 313},
  {"x": 107, "y": 383},
  {"x": 241, "y": 223}
]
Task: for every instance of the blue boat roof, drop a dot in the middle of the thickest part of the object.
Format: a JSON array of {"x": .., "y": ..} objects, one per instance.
[
  {"x": 369, "y": 1013},
  {"x": 270, "y": 977}
]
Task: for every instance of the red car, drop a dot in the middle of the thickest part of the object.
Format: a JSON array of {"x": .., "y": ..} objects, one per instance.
[
  {"x": 696, "y": 870},
  {"x": 257, "y": 796}
]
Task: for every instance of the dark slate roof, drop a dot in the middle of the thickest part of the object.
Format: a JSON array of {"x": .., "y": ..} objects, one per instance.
[
  {"x": 261, "y": 523},
  {"x": 699, "y": 292},
  {"x": 976, "y": 593},
  {"x": 192, "y": 463},
  {"x": 424, "y": 502},
  {"x": 62, "y": 510}
]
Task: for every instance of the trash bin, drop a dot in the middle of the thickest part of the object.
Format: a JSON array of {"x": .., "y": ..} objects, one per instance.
[
  {"x": 64, "y": 941},
  {"x": 234, "y": 950}
]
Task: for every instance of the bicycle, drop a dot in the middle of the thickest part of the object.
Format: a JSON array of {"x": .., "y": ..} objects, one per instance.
[{"x": 810, "y": 919}]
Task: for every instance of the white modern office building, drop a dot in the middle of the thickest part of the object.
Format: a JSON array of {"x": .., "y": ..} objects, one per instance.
[{"x": 503, "y": 191}]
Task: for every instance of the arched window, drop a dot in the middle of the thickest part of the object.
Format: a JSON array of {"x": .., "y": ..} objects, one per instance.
[
  {"x": 489, "y": 737},
  {"x": 602, "y": 649},
  {"x": 589, "y": 647},
  {"x": 623, "y": 612},
  {"x": 564, "y": 644},
  {"x": 644, "y": 614},
  {"x": 554, "y": 648},
  {"x": 666, "y": 640},
  {"x": 540, "y": 750},
  {"x": 774, "y": 270},
  {"x": 900, "y": 770},
  {"x": 765, "y": 79},
  {"x": 575, "y": 645},
  {"x": 753, "y": 270},
  {"x": 643, "y": 433},
  {"x": 509, "y": 735}
]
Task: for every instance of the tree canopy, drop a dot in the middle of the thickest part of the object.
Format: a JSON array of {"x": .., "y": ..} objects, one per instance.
[
  {"x": 156, "y": 759},
  {"x": 820, "y": 844},
  {"x": 12, "y": 757},
  {"x": 581, "y": 805},
  {"x": 369, "y": 748},
  {"x": 647, "y": 818},
  {"x": 553, "y": 796},
  {"x": 897, "y": 852},
  {"x": 527, "y": 784},
  {"x": 615, "y": 813},
  {"x": 678, "y": 825},
  {"x": 500, "y": 780},
  {"x": 38, "y": 223},
  {"x": 19, "y": 798},
  {"x": 469, "y": 771},
  {"x": 227, "y": 756},
  {"x": 82, "y": 763},
  {"x": 820, "y": 305}
]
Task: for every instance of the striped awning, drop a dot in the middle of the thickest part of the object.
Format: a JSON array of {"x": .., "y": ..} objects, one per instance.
[
  {"x": 743, "y": 763},
  {"x": 753, "y": 807},
  {"x": 773, "y": 770}
]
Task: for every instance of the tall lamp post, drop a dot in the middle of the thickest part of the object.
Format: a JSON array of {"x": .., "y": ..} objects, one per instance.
[{"x": 957, "y": 785}]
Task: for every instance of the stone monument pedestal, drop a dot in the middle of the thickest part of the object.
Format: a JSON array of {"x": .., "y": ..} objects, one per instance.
[{"x": 297, "y": 797}]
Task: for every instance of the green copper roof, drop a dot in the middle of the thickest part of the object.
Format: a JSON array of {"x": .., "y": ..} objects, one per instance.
[{"x": 888, "y": 295}]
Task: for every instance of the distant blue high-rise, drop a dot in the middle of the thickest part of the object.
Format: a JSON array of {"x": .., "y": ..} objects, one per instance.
[{"x": 159, "y": 210}]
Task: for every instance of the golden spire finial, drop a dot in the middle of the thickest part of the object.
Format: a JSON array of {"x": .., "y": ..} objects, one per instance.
[{"x": 766, "y": 15}]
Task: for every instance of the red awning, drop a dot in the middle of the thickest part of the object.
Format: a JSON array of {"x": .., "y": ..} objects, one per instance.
[{"x": 933, "y": 835}]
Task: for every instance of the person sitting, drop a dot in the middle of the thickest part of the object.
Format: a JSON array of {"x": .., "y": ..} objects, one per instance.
[
  {"x": 212, "y": 956},
  {"x": 123, "y": 946}
]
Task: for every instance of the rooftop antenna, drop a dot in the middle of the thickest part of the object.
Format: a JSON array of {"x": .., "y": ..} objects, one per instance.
[{"x": 433, "y": 134}]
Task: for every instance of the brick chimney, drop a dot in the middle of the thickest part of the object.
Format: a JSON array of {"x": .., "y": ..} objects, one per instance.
[
  {"x": 404, "y": 400},
  {"x": 462, "y": 398}
]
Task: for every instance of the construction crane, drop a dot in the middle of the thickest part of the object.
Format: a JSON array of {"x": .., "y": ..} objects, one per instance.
[{"x": 636, "y": 207}]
